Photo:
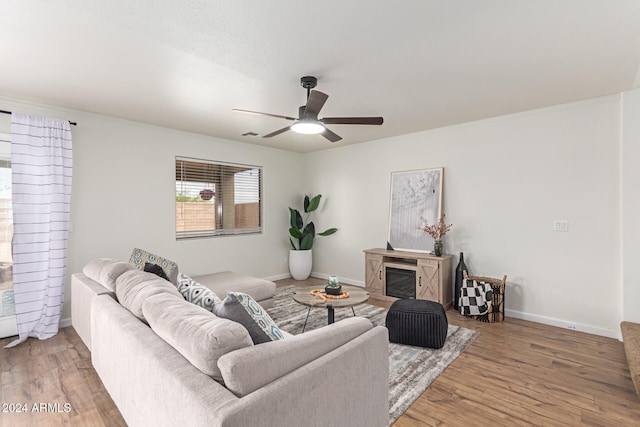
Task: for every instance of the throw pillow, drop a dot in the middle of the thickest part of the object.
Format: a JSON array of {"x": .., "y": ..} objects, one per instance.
[
  {"x": 139, "y": 257},
  {"x": 155, "y": 269},
  {"x": 243, "y": 309},
  {"x": 105, "y": 271},
  {"x": 196, "y": 293}
]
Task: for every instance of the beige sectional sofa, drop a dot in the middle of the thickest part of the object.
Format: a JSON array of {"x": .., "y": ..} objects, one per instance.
[{"x": 167, "y": 362}]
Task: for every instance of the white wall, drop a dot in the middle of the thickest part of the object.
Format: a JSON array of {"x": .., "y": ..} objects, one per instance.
[
  {"x": 631, "y": 205},
  {"x": 506, "y": 180},
  {"x": 123, "y": 195}
]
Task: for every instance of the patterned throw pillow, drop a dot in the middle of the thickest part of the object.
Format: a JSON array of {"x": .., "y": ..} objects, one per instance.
[
  {"x": 242, "y": 308},
  {"x": 196, "y": 293},
  {"x": 139, "y": 257}
]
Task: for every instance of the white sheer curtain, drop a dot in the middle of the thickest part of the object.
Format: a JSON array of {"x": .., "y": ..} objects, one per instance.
[{"x": 41, "y": 166}]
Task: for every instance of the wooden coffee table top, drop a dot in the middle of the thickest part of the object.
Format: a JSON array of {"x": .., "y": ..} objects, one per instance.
[{"x": 357, "y": 295}]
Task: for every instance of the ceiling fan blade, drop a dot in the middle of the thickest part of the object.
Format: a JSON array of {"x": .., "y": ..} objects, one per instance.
[
  {"x": 331, "y": 136},
  {"x": 278, "y": 132},
  {"x": 315, "y": 102},
  {"x": 263, "y": 114},
  {"x": 352, "y": 120}
]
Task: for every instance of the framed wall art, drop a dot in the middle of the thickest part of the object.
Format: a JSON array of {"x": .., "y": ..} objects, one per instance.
[{"x": 414, "y": 194}]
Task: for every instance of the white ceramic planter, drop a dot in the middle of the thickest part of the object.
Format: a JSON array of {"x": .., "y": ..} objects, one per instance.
[{"x": 300, "y": 264}]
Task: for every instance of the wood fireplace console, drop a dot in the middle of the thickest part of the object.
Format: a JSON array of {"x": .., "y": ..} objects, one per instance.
[{"x": 433, "y": 275}]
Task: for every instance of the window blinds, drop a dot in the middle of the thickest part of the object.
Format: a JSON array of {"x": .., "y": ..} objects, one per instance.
[{"x": 216, "y": 198}]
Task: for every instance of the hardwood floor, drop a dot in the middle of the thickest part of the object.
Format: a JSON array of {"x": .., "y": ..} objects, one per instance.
[
  {"x": 52, "y": 383},
  {"x": 517, "y": 373}
]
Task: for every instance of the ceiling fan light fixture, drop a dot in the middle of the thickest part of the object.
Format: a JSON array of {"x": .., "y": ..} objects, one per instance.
[{"x": 307, "y": 127}]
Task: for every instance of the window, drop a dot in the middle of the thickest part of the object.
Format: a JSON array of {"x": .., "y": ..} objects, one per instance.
[
  {"x": 217, "y": 199},
  {"x": 8, "y": 325}
]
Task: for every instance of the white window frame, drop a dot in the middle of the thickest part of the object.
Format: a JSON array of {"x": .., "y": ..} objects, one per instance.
[
  {"x": 189, "y": 178},
  {"x": 8, "y": 324}
]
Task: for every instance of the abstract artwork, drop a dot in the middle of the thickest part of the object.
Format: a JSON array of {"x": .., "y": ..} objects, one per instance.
[{"x": 414, "y": 194}]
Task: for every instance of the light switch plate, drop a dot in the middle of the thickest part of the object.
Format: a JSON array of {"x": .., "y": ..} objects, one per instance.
[{"x": 561, "y": 225}]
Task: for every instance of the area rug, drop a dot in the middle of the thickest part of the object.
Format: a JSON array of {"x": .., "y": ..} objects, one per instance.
[{"x": 411, "y": 369}]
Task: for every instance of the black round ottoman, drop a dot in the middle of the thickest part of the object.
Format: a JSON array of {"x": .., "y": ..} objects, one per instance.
[{"x": 417, "y": 322}]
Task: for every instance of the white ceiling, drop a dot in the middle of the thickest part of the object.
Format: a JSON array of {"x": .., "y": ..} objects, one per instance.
[{"x": 422, "y": 64}]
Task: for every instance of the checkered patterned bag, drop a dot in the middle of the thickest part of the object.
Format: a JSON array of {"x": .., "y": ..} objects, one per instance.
[{"x": 475, "y": 297}]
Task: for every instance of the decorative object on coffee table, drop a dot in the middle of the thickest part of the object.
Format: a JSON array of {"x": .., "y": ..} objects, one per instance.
[
  {"x": 303, "y": 232},
  {"x": 437, "y": 232},
  {"x": 333, "y": 287},
  {"x": 417, "y": 322},
  {"x": 350, "y": 296}
]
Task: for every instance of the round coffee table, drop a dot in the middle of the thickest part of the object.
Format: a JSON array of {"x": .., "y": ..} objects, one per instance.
[{"x": 357, "y": 296}]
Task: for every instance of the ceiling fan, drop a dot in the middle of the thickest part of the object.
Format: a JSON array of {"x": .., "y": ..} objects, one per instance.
[{"x": 307, "y": 121}]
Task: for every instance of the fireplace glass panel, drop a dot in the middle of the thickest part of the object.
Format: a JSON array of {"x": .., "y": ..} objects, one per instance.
[{"x": 400, "y": 283}]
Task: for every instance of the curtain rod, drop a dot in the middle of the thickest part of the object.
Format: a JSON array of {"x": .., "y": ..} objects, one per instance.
[{"x": 9, "y": 112}]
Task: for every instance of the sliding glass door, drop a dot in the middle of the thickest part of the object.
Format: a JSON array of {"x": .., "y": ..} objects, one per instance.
[{"x": 8, "y": 325}]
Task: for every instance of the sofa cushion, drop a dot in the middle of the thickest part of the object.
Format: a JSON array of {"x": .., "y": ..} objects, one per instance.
[
  {"x": 134, "y": 287},
  {"x": 200, "y": 336},
  {"x": 241, "y": 308},
  {"x": 105, "y": 271},
  {"x": 139, "y": 257},
  {"x": 196, "y": 293},
  {"x": 249, "y": 369},
  {"x": 229, "y": 281}
]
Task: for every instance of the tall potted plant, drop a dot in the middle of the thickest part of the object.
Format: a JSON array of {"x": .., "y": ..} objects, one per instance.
[{"x": 301, "y": 235}]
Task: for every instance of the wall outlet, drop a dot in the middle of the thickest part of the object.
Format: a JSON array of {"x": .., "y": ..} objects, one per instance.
[{"x": 561, "y": 225}]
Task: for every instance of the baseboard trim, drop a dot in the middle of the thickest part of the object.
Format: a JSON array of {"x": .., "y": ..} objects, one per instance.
[
  {"x": 65, "y": 322},
  {"x": 277, "y": 277},
  {"x": 8, "y": 327},
  {"x": 560, "y": 323},
  {"x": 344, "y": 280},
  {"x": 551, "y": 321}
]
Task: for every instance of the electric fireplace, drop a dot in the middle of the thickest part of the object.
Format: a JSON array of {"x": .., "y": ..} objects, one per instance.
[{"x": 400, "y": 282}]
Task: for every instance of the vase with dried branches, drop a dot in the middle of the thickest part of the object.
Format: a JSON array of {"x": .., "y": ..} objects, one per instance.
[{"x": 437, "y": 231}]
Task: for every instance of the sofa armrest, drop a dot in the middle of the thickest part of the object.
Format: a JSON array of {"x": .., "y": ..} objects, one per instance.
[
  {"x": 247, "y": 369},
  {"x": 148, "y": 380},
  {"x": 83, "y": 290},
  {"x": 348, "y": 386}
]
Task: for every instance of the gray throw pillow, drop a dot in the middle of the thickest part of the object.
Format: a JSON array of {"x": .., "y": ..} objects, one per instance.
[{"x": 242, "y": 308}]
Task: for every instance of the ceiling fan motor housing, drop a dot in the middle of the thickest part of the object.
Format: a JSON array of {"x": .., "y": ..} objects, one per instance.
[{"x": 308, "y": 82}]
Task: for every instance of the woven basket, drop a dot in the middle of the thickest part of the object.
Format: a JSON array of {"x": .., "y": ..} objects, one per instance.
[{"x": 496, "y": 311}]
